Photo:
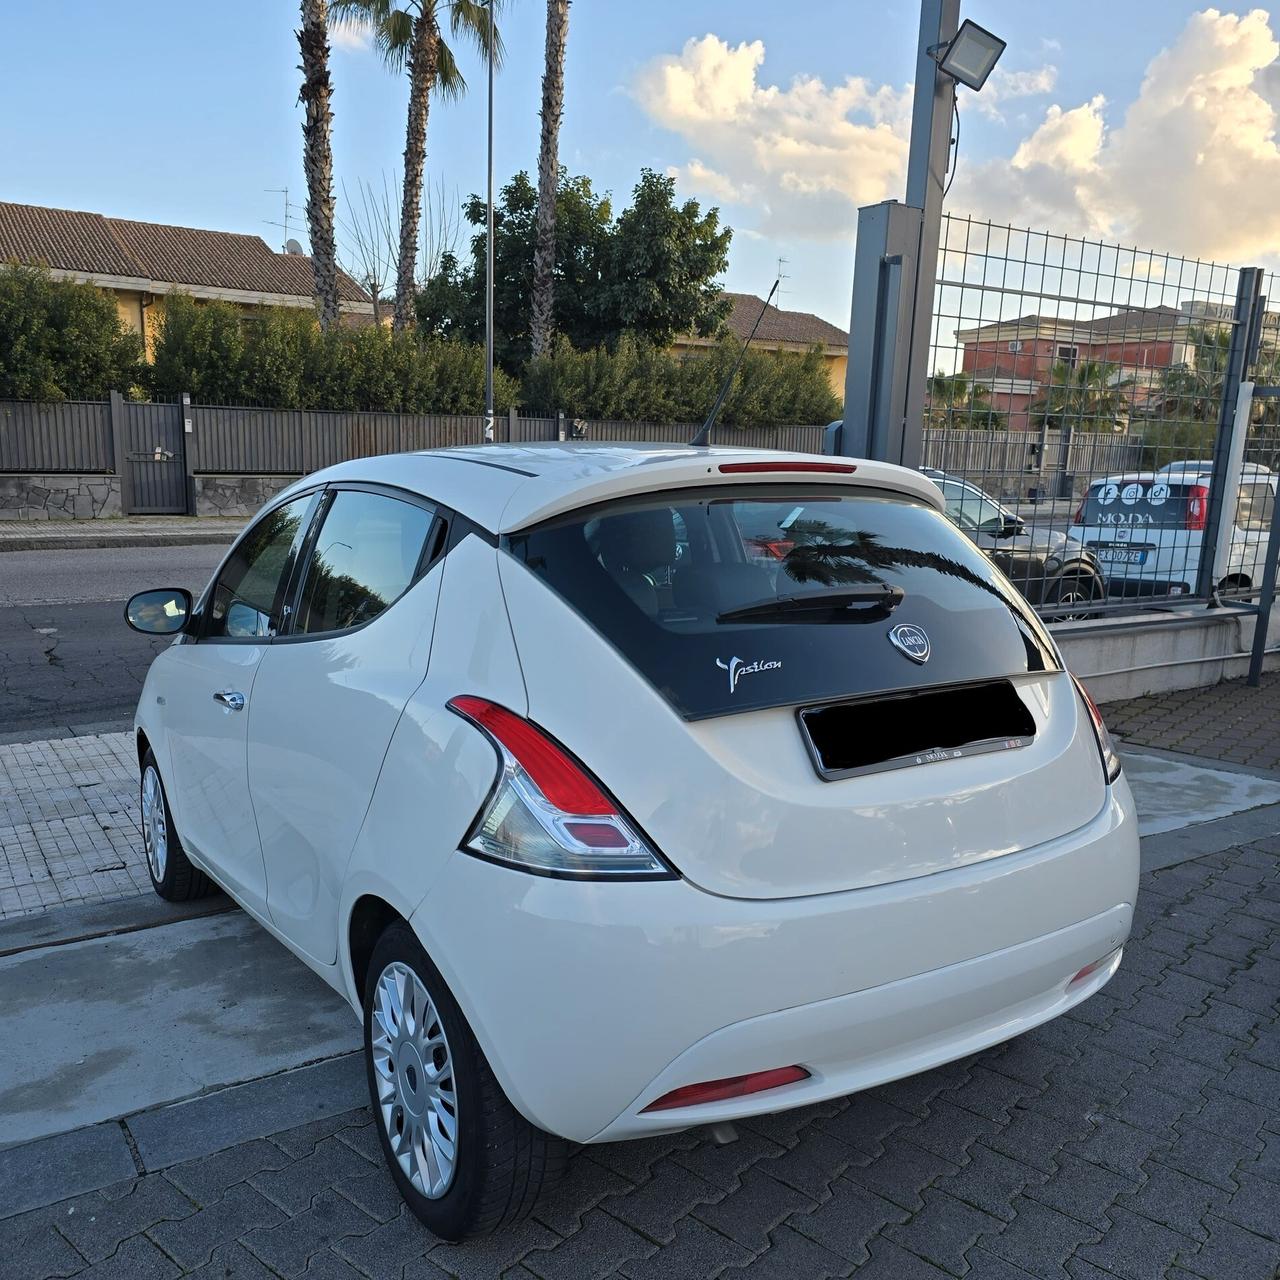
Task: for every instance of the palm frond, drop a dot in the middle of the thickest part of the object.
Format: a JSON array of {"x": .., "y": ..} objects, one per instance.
[
  {"x": 450, "y": 82},
  {"x": 470, "y": 20}
]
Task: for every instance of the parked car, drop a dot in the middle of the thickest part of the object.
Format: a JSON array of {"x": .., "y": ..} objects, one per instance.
[
  {"x": 606, "y": 830},
  {"x": 1046, "y": 565},
  {"x": 1146, "y": 528}
]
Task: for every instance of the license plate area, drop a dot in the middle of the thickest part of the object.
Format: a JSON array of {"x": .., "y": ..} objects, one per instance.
[
  {"x": 903, "y": 730},
  {"x": 1120, "y": 555}
]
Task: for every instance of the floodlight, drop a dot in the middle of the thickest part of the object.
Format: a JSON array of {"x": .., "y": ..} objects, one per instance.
[{"x": 972, "y": 55}]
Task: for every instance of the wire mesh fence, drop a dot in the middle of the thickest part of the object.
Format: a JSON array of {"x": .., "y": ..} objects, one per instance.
[{"x": 1110, "y": 365}]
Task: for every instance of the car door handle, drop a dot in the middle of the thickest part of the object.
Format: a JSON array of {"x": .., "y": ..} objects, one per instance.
[{"x": 230, "y": 699}]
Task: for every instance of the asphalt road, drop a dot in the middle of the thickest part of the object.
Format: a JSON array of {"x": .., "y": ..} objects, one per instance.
[{"x": 66, "y": 656}]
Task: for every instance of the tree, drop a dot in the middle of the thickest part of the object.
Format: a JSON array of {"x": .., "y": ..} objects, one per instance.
[
  {"x": 317, "y": 156},
  {"x": 955, "y": 400},
  {"x": 662, "y": 268},
  {"x": 408, "y": 37},
  {"x": 672, "y": 255},
  {"x": 542, "y": 317},
  {"x": 1090, "y": 396},
  {"x": 62, "y": 341}
]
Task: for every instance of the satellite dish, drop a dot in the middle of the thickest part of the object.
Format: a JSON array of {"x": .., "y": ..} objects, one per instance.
[{"x": 292, "y": 246}]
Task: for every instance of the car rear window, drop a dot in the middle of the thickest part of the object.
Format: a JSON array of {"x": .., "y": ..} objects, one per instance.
[
  {"x": 737, "y": 598},
  {"x": 1149, "y": 503}
]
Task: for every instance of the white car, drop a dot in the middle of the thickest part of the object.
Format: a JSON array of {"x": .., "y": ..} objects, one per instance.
[
  {"x": 606, "y": 828},
  {"x": 1146, "y": 528}
]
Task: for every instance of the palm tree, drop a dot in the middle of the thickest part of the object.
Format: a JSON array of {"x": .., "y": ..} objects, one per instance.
[
  {"x": 408, "y": 36},
  {"x": 317, "y": 156},
  {"x": 544, "y": 255},
  {"x": 1089, "y": 396},
  {"x": 956, "y": 400}
]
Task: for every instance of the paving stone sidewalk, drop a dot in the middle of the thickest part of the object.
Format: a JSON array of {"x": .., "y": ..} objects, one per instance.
[
  {"x": 1229, "y": 721},
  {"x": 1137, "y": 1136},
  {"x": 69, "y": 823}
]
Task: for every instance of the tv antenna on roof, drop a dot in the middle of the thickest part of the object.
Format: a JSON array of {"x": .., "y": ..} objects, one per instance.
[
  {"x": 703, "y": 437},
  {"x": 287, "y": 224}
]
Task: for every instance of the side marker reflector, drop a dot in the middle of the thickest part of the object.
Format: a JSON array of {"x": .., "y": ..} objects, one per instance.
[{"x": 691, "y": 1095}]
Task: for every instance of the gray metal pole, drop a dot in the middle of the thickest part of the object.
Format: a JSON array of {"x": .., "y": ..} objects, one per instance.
[
  {"x": 488, "y": 263},
  {"x": 931, "y": 115},
  {"x": 1248, "y": 295}
]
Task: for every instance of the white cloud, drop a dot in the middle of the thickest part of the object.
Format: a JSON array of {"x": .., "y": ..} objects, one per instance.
[
  {"x": 1191, "y": 167},
  {"x": 1003, "y": 85},
  {"x": 804, "y": 157},
  {"x": 350, "y": 37}
]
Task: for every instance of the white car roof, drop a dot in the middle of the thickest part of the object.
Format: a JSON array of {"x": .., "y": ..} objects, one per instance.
[{"x": 504, "y": 487}]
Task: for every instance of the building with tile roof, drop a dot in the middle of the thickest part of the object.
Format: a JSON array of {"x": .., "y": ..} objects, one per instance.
[
  {"x": 141, "y": 262},
  {"x": 780, "y": 331}
]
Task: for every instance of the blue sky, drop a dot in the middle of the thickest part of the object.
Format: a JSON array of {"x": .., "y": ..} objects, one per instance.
[{"x": 187, "y": 113}]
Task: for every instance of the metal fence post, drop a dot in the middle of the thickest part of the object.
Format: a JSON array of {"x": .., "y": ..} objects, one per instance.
[
  {"x": 1266, "y": 598},
  {"x": 188, "y": 451},
  {"x": 120, "y": 449},
  {"x": 1244, "y": 320}
]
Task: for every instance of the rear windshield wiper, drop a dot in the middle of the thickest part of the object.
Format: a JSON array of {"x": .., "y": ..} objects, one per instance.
[{"x": 820, "y": 606}]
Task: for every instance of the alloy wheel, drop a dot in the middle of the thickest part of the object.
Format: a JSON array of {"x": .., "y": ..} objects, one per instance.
[
  {"x": 413, "y": 1067},
  {"x": 155, "y": 825}
]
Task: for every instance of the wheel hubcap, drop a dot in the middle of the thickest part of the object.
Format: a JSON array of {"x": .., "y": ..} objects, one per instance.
[
  {"x": 155, "y": 830},
  {"x": 414, "y": 1073}
]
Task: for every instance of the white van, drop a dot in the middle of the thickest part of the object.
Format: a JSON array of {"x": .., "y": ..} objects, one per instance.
[{"x": 1146, "y": 528}]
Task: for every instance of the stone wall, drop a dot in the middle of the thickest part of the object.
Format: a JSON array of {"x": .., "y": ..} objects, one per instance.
[
  {"x": 61, "y": 496},
  {"x": 236, "y": 495}
]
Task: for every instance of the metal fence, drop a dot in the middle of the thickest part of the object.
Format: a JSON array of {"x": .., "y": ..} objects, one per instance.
[
  {"x": 1113, "y": 372},
  {"x": 98, "y": 436}
]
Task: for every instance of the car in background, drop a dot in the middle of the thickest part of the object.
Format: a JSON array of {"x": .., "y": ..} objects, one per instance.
[
  {"x": 607, "y": 829},
  {"x": 1146, "y": 528},
  {"x": 1049, "y": 567}
]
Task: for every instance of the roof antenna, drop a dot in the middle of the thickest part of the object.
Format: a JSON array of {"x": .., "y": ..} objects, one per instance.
[{"x": 703, "y": 438}]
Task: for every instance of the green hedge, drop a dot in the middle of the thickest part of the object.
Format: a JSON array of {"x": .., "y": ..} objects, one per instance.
[
  {"x": 279, "y": 358},
  {"x": 638, "y": 382},
  {"x": 62, "y": 341}
]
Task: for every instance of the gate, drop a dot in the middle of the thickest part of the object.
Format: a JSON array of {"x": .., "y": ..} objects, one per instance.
[{"x": 155, "y": 453}]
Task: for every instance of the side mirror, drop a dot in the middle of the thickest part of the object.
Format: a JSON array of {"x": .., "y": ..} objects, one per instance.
[
  {"x": 1011, "y": 525},
  {"x": 159, "y": 613}
]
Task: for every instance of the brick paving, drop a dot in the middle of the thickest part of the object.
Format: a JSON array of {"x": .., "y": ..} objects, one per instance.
[
  {"x": 1138, "y": 1136},
  {"x": 1228, "y": 721},
  {"x": 69, "y": 829}
]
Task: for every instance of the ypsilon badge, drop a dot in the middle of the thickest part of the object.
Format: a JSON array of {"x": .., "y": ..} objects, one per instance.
[
  {"x": 910, "y": 640},
  {"x": 737, "y": 669}
]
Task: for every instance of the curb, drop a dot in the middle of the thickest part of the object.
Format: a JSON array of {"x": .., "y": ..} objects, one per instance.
[{"x": 93, "y": 541}]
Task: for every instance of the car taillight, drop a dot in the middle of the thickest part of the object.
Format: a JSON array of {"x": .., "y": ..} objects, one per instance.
[
  {"x": 1110, "y": 760},
  {"x": 547, "y": 813},
  {"x": 1079, "y": 516},
  {"x": 692, "y": 1095},
  {"x": 1197, "y": 506}
]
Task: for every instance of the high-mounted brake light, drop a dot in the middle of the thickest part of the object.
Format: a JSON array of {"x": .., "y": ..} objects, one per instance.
[
  {"x": 692, "y": 1095},
  {"x": 1197, "y": 507},
  {"x": 547, "y": 813},
  {"x": 740, "y": 468},
  {"x": 1110, "y": 759}
]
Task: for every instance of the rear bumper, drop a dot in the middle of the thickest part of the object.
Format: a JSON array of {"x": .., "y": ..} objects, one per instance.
[
  {"x": 592, "y": 1000},
  {"x": 1130, "y": 587}
]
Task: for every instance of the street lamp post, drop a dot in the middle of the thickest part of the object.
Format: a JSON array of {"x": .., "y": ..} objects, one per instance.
[{"x": 489, "y": 434}]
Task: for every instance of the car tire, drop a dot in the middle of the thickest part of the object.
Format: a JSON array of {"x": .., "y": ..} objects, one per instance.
[
  {"x": 1079, "y": 589},
  {"x": 173, "y": 876},
  {"x": 431, "y": 1088}
]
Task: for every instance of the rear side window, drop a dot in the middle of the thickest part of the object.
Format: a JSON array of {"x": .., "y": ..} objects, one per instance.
[
  {"x": 736, "y": 598},
  {"x": 1256, "y": 505},
  {"x": 1147, "y": 503},
  {"x": 366, "y": 556}
]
